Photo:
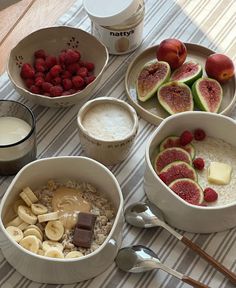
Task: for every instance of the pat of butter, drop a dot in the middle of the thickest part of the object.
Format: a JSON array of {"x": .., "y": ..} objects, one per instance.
[{"x": 219, "y": 173}]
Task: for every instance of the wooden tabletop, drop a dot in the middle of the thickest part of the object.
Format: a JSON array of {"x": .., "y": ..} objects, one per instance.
[{"x": 18, "y": 18}]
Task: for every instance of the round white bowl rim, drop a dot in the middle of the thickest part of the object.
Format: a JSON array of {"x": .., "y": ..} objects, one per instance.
[
  {"x": 120, "y": 102},
  {"x": 148, "y": 162},
  {"x": 64, "y": 260}
]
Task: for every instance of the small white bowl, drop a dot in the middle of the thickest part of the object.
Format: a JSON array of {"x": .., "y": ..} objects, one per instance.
[
  {"x": 53, "y": 40},
  {"x": 178, "y": 212},
  {"x": 54, "y": 270},
  {"x": 108, "y": 152}
]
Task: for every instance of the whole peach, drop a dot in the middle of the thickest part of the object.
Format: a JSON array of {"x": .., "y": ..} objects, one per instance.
[
  {"x": 173, "y": 51},
  {"x": 219, "y": 67}
]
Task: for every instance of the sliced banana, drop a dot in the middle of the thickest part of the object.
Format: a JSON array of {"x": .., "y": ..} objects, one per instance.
[
  {"x": 15, "y": 222},
  {"x": 37, "y": 228},
  {"x": 41, "y": 252},
  {"x": 23, "y": 226},
  {"x": 30, "y": 194},
  {"x": 74, "y": 254},
  {"x": 33, "y": 231},
  {"x": 26, "y": 199},
  {"x": 17, "y": 203},
  {"x": 39, "y": 209},
  {"x": 48, "y": 217},
  {"x": 15, "y": 233},
  {"x": 26, "y": 214},
  {"x": 52, "y": 244},
  {"x": 30, "y": 243},
  {"x": 54, "y": 253},
  {"x": 54, "y": 230}
]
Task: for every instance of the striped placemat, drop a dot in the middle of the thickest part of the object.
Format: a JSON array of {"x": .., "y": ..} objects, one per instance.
[{"x": 207, "y": 22}]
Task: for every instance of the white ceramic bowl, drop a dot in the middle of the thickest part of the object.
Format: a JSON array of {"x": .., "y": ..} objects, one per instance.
[
  {"x": 178, "y": 212},
  {"x": 108, "y": 152},
  {"x": 63, "y": 271},
  {"x": 53, "y": 40}
]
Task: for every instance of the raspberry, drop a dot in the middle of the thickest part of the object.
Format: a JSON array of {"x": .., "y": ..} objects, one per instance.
[
  {"x": 67, "y": 84},
  {"x": 78, "y": 82},
  {"x": 39, "y": 81},
  {"x": 29, "y": 82},
  {"x": 40, "y": 65},
  {"x": 62, "y": 57},
  {"x": 34, "y": 89},
  {"x": 27, "y": 71},
  {"x": 46, "y": 86},
  {"x": 55, "y": 70},
  {"x": 40, "y": 54},
  {"x": 186, "y": 137},
  {"x": 89, "y": 66},
  {"x": 39, "y": 74},
  {"x": 66, "y": 75},
  {"x": 199, "y": 134},
  {"x": 72, "y": 91},
  {"x": 50, "y": 61},
  {"x": 198, "y": 163},
  {"x": 56, "y": 80},
  {"x": 39, "y": 61},
  {"x": 210, "y": 195},
  {"x": 40, "y": 68},
  {"x": 72, "y": 68},
  {"x": 66, "y": 93},
  {"x": 89, "y": 79},
  {"x": 56, "y": 91},
  {"x": 48, "y": 77},
  {"x": 71, "y": 57},
  {"x": 82, "y": 71}
]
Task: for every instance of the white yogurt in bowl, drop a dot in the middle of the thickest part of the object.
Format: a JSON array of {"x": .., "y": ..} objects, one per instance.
[{"x": 107, "y": 129}]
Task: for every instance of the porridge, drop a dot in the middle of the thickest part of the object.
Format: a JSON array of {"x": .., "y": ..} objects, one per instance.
[{"x": 61, "y": 220}]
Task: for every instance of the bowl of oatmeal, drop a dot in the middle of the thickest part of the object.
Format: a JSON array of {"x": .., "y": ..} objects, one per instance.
[
  {"x": 63, "y": 217},
  {"x": 191, "y": 171}
]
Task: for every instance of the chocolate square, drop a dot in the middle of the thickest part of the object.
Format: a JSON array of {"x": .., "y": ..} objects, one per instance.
[
  {"x": 86, "y": 220},
  {"x": 82, "y": 238}
]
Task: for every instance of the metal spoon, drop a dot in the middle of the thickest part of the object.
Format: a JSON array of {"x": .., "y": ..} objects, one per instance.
[
  {"x": 138, "y": 259},
  {"x": 145, "y": 215}
]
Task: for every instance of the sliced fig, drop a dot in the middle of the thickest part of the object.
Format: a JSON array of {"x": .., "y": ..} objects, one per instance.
[
  {"x": 175, "y": 97},
  {"x": 173, "y": 141},
  {"x": 170, "y": 155},
  {"x": 151, "y": 77},
  {"x": 176, "y": 170},
  {"x": 188, "y": 190},
  {"x": 187, "y": 73},
  {"x": 207, "y": 94}
]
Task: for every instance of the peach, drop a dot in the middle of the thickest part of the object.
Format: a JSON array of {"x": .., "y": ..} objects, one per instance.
[
  {"x": 173, "y": 51},
  {"x": 219, "y": 67}
]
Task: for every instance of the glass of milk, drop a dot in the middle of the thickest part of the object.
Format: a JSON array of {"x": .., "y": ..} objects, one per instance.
[{"x": 17, "y": 137}]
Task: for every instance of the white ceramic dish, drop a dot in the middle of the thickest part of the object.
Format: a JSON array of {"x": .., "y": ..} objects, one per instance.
[
  {"x": 63, "y": 271},
  {"x": 178, "y": 212},
  {"x": 53, "y": 40},
  {"x": 108, "y": 152}
]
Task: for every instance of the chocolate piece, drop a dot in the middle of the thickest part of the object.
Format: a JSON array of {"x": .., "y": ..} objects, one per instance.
[
  {"x": 86, "y": 220},
  {"x": 82, "y": 238}
]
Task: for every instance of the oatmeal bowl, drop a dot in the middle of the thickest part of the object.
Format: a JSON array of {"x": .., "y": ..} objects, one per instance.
[
  {"x": 61, "y": 220},
  {"x": 191, "y": 171}
]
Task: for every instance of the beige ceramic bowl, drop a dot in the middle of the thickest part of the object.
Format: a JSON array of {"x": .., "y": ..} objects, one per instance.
[
  {"x": 53, "y": 40},
  {"x": 54, "y": 270},
  {"x": 108, "y": 152}
]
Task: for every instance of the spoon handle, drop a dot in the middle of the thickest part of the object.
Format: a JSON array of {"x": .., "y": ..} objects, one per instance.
[
  {"x": 193, "y": 282},
  {"x": 229, "y": 274}
]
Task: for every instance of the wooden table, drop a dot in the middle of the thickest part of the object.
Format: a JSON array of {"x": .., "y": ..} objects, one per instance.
[{"x": 18, "y": 18}]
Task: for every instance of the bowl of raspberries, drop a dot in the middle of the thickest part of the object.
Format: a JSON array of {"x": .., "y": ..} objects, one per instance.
[{"x": 57, "y": 66}]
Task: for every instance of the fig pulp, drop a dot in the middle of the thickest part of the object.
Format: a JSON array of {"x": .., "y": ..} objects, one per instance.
[
  {"x": 151, "y": 77},
  {"x": 170, "y": 155},
  {"x": 188, "y": 190},
  {"x": 175, "y": 97},
  {"x": 207, "y": 94},
  {"x": 187, "y": 73}
]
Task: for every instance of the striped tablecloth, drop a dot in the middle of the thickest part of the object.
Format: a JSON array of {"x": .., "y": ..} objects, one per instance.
[{"x": 208, "y": 22}]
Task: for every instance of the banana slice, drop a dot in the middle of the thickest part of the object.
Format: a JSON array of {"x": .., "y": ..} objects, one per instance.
[
  {"x": 54, "y": 253},
  {"x": 37, "y": 228},
  {"x": 33, "y": 231},
  {"x": 26, "y": 199},
  {"x": 54, "y": 230},
  {"x": 52, "y": 244},
  {"x": 15, "y": 233},
  {"x": 74, "y": 254},
  {"x": 39, "y": 209},
  {"x": 30, "y": 243},
  {"x": 15, "y": 222},
  {"x": 41, "y": 252},
  {"x": 30, "y": 194},
  {"x": 17, "y": 203},
  {"x": 23, "y": 226},
  {"x": 48, "y": 217},
  {"x": 26, "y": 215}
]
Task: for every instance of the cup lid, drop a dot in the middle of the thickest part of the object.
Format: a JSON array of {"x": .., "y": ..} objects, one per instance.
[{"x": 108, "y": 13}]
